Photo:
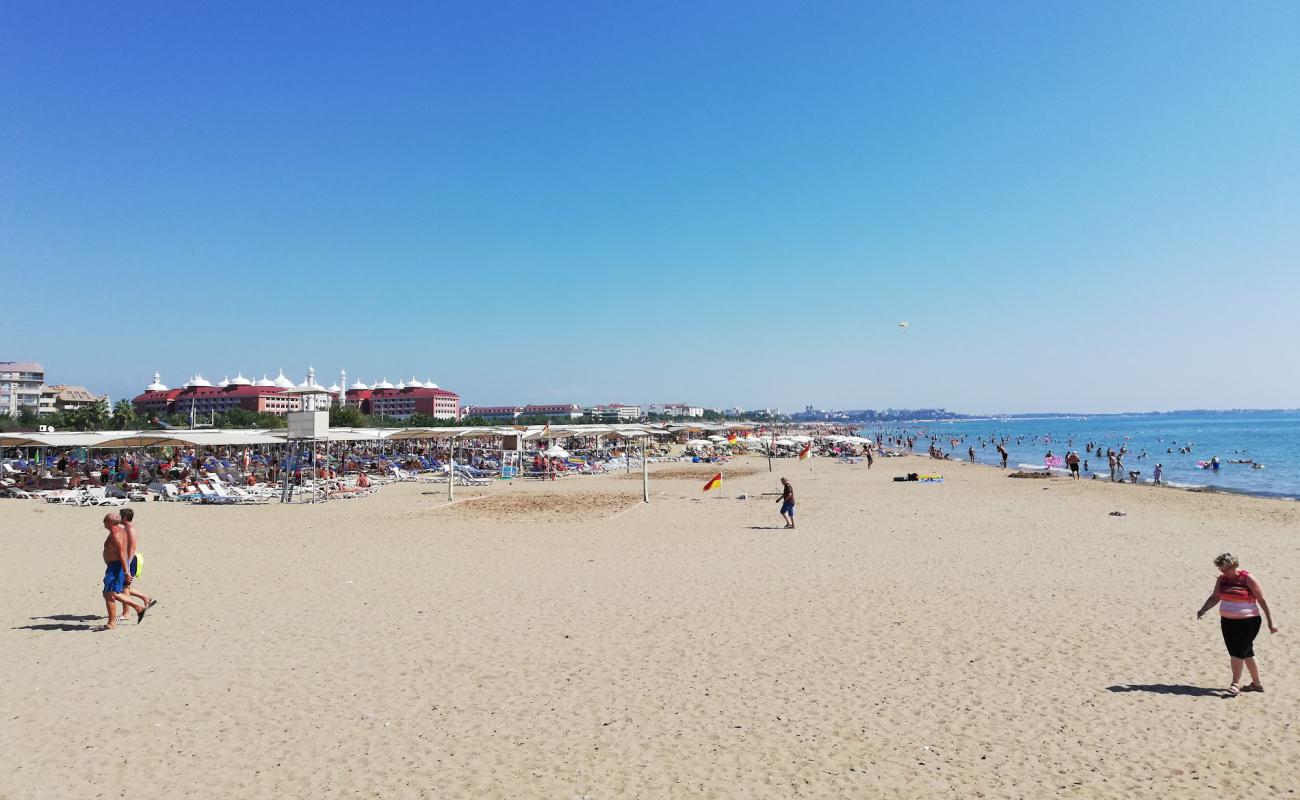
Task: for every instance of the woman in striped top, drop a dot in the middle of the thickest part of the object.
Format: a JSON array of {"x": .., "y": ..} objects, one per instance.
[{"x": 1240, "y": 599}]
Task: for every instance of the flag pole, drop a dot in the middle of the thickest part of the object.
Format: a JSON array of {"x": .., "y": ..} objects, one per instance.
[
  {"x": 645, "y": 472},
  {"x": 451, "y": 466}
]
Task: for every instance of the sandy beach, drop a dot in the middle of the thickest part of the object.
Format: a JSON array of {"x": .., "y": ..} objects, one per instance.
[{"x": 980, "y": 638}]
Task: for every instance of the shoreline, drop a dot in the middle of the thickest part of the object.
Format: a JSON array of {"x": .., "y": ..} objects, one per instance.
[{"x": 1175, "y": 486}]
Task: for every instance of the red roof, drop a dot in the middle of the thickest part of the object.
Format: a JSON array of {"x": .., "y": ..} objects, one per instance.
[
  {"x": 231, "y": 391},
  {"x": 156, "y": 397},
  {"x": 413, "y": 391}
]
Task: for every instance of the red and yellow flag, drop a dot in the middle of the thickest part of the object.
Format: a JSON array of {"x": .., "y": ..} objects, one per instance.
[
  {"x": 731, "y": 438},
  {"x": 714, "y": 483},
  {"x": 546, "y": 429},
  {"x": 806, "y": 452}
]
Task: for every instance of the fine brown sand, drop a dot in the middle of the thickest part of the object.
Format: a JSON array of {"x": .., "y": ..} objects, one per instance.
[{"x": 983, "y": 637}]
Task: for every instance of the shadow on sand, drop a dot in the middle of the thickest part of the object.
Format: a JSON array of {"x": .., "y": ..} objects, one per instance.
[
  {"x": 1168, "y": 688},
  {"x": 56, "y": 626},
  {"x": 63, "y": 622}
]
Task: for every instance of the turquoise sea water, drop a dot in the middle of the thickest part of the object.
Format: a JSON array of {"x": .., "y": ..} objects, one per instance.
[{"x": 1268, "y": 437}]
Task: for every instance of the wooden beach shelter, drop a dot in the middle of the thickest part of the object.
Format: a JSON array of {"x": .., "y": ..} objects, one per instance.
[
  {"x": 18, "y": 440},
  {"x": 68, "y": 440},
  {"x": 451, "y": 435},
  {"x": 643, "y": 435}
]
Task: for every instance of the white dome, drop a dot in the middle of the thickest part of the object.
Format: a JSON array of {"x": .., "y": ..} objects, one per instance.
[
  {"x": 283, "y": 382},
  {"x": 384, "y": 384},
  {"x": 157, "y": 385},
  {"x": 415, "y": 384},
  {"x": 359, "y": 386},
  {"x": 429, "y": 384},
  {"x": 240, "y": 380},
  {"x": 224, "y": 382},
  {"x": 400, "y": 385},
  {"x": 198, "y": 380},
  {"x": 334, "y": 388},
  {"x": 265, "y": 381}
]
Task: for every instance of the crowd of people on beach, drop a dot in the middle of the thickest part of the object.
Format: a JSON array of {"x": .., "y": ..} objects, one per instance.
[{"x": 1096, "y": 460}]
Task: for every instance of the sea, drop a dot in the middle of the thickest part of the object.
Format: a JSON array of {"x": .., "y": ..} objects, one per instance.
[{"x": 1269, "y": 438}]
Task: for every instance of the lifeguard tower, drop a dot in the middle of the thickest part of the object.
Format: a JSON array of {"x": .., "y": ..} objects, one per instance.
[{"x": 307, "y": 427}]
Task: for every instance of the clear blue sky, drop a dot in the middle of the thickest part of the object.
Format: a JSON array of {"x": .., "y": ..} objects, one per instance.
[{"x": 1084, "y": 206}]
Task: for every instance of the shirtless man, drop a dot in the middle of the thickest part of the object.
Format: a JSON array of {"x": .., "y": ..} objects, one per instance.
[
  {"x": 127, "y": 515},
  {"x": 1072, "y": 460},
  {"x": 115, "y": 576},
  {"x": 787, "y": 503}
]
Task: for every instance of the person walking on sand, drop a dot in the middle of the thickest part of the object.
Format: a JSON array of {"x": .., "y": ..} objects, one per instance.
[
  {"x": 1072, "y": 459},
  {"x": 787, "y": 503},
  {"x": 115, "y": 575},
  {"x": 970, "y": 453},
  {"x": 870, "y": 459},
  {"x": 1239, "y": 598},
  {"x": 127, "y": 517}
]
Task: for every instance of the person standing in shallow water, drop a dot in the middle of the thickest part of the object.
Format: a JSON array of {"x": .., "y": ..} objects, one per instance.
[{"x": 1239, "y": 598}]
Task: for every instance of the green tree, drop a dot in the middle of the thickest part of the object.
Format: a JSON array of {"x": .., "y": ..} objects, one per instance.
[
  {"x": 346, "y": 417},
  {"x": 238, "y": 418},
  {"x": 93, "y": 417},
  {"x": 124, "y": 417}
]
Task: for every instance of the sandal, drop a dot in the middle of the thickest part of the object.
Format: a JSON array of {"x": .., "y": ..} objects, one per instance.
[
  {"x": 1234, "y": 690},
  {"x": 1254, "y": 687}
]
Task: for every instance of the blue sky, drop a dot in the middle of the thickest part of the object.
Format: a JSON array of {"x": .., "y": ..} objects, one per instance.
[{"x": 1076, "y": 206}]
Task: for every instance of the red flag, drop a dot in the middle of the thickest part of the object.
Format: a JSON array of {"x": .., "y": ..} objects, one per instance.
[{"x": 714, "y": 483}]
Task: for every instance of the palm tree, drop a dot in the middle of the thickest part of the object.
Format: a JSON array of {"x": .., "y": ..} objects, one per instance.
[
  {"x": 93, "y": 417},
  {"x": 124, "y": 417}
]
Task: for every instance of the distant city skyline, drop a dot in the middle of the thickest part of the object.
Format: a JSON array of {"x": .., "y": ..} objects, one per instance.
[
  {"x": 1082, "y": 208},
  {"x": 329, "y": 378}
]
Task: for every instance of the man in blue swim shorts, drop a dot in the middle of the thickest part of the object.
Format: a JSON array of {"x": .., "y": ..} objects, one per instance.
[
  {"x": 116, "y": 577},
  {"x": 787, "y": 503}
]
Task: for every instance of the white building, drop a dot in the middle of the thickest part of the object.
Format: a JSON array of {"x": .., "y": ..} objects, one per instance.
[
  {"x": 510, "y": 413},
  {"x": 677, "y": 410},
  {"x": 615, "y": 412},
  {"x": 20, "y": 387}
]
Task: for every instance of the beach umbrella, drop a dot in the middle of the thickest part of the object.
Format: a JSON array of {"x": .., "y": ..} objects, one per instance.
[{"x": 555, "y": 451}]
